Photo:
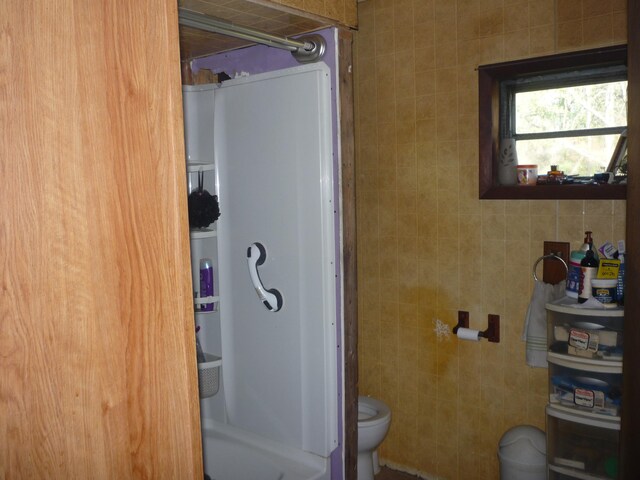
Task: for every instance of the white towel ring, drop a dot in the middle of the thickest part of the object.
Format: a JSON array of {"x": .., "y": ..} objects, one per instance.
[{"x": 550, "y": 255}]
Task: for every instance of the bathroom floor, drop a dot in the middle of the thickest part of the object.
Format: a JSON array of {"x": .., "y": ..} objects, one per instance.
[{"x": 388, "y": 474}]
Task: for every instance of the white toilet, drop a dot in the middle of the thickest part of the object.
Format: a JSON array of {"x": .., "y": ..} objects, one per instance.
[{"x": 374, "y": 418}]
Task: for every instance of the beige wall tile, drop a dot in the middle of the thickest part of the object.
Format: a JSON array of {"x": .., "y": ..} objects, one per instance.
[
  {"x": 592, "y": 8},
  {"x": 542, "y": 40},
  {"x": 568, "y": 10},
  {"x": 619, "y": 5},
  {"x": 516, "y": 44},
  {"x": 516, "y": 16},
  {"x": 619, "y": 27},
  {"x": 569, "y": 35},
  {"x": 541, "y": 12},
  {"x": 491, "y": 21},
  {"x": 598, "y": 30}
]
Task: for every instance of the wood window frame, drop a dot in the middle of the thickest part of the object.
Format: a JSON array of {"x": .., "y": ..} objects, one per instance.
[{"x": 489, "y": 78}]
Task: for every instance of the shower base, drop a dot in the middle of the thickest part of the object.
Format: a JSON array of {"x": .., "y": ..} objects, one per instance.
[{"x": 232, "y": 454}]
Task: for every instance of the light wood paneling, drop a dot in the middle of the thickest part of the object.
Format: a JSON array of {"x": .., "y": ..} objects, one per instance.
[
  {"x": 96, "y": 334},
  {"x": 343, "y": 11}
]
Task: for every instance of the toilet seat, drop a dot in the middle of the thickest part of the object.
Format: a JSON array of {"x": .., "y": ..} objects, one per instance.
[{"x": 372, "y": 412}]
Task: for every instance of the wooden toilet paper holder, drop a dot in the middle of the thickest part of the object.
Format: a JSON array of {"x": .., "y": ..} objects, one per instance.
[{"x": 492, "y": 333}]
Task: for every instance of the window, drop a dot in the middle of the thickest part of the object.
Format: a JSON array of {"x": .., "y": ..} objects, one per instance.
[{"x": 567, "y": 110}]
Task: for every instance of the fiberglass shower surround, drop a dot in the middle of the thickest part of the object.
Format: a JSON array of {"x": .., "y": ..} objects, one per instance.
[{"x": 269, "y": 137}]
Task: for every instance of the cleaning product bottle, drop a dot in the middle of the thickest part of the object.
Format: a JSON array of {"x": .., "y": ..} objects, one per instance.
[
  {"x": 575, "y": 270},
  {"x": 589, "y": 270},
  {"x": 620, "y": 286},
  {"x": 573, "y": 276}
]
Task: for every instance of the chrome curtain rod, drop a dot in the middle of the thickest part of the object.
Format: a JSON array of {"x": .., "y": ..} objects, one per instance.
[{"x": 310, "y": 48}]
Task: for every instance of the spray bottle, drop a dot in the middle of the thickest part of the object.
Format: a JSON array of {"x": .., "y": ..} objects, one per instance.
[
  {"x": 589, "y": 270},
  {"x": 620, "y": 286}
]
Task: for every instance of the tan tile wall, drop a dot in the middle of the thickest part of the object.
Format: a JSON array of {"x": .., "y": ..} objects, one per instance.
[{"x": 427, "y": 247}]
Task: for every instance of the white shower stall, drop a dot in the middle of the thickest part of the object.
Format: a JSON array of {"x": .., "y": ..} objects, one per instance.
[{"x": 264, "y": 145}]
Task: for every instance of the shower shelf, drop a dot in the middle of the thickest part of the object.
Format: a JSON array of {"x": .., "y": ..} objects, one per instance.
[
  {"x": 203, "y": 233},
  {"x": 199, "y": 167},
  {"x": 205, "y": 300},
  {"x": 209, "y": 375}
]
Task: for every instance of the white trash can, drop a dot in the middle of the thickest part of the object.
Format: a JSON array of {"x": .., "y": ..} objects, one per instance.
[{"x": 523, "y": 454}]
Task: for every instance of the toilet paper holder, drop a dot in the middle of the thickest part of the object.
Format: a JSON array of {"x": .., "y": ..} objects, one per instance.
[{"x": 492, "y": 333}]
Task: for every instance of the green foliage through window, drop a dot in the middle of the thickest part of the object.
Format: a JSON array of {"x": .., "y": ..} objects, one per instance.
[{"x": 571, "y": 120}]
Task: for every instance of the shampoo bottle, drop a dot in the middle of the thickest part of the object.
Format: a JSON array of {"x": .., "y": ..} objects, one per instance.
[
  {"x": 588, "y": 244},
  {"x": 575, "y": 271},
  {"x": 574, "y": 274}
]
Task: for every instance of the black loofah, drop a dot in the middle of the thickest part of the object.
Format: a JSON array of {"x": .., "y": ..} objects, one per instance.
[{"x": 203, "y": 207}]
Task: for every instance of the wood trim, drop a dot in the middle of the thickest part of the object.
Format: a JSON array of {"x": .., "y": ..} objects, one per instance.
[
  {"x": 489, "y": 78},
  {"x": 553, "y": 271},
  {"x": 186, "y": 72},
  {"x": 557, "y": 192},
  {"x": 488, "y": 108},
  {"x": 349, "y": 267},
  {"x": 629, "y": 438},
  {"x": 559, "y": 62}
]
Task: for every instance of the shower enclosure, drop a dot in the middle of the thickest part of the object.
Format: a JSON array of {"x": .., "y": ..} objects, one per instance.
[{"x": 266, "y": 143}]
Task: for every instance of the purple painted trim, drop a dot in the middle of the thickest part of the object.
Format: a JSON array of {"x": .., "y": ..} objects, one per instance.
[{"x": 261, "y": 59}]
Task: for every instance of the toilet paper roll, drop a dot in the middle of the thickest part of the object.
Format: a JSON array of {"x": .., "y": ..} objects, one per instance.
[{"x": 468, "y": 334}]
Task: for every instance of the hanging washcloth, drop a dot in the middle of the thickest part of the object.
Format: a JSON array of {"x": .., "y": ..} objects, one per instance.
[{"x": 535, "y": 323}]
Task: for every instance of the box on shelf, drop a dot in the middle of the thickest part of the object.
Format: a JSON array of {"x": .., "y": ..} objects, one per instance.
[
  {"x": 586, "y": 333},
  {"x": 585, "y": 390}
]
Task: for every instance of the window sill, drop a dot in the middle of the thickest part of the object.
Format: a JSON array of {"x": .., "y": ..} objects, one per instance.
[{"x": 555, "y": 192}]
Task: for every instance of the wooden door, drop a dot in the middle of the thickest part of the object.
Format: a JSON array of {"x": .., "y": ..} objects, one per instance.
[{"x": 97, "y": 358}]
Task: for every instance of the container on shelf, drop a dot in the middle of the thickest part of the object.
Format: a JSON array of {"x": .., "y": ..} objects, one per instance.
[
  {"x": 209, "y": 375},
  {"x": 584, "y": 332},
  {"x": 581, "y": 446},
  {"x": 604, "y": 290},
  {"x": 527, "y": 174},
  {"x": 592, "y": 386}
]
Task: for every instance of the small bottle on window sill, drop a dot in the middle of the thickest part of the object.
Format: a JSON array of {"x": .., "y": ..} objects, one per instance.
[{"x": 555, "y": 176}]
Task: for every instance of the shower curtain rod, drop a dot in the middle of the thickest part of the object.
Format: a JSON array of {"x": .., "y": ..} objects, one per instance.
[{"x": 307, "y": 49}]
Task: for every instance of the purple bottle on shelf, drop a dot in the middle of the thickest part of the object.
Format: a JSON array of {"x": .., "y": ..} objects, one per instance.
[{"x": 206, "y": 283}]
